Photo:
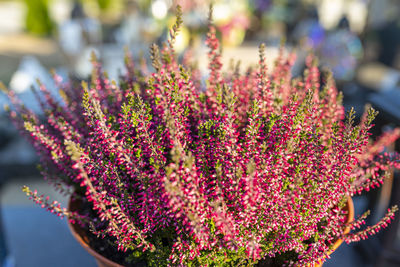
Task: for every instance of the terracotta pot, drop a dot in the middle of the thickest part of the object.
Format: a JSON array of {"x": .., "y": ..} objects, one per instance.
[{"x": 80, "y": 235}]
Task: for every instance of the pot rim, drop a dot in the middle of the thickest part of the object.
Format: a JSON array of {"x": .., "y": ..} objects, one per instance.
[{"x": 350, "y": 217}]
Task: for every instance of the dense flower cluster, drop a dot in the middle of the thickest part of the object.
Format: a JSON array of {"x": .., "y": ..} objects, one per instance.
[{"x": 250, "y": 165}]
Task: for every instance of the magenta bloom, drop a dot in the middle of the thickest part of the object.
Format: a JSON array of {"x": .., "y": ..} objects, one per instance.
[{"x": 254, "y": 165}]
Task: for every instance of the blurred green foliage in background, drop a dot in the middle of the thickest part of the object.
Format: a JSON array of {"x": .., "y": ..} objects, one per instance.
[
  {"x": 37, "y": 20},
  {"x": 104, "y": 4}
]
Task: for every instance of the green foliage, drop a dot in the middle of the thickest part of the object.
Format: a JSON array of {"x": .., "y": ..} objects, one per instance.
[
  {"x": 211, "y": 128},
  {"x": 224, "y": 258},
  {"x": 273, "y": 118},
  {"x": 159, "y": 257}
]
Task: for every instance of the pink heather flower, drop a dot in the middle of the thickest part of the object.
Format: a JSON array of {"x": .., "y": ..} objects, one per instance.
[{"x": 257, "y": 166}]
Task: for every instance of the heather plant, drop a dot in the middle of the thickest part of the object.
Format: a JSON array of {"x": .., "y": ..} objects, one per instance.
[{"x": 249, "y": 166}]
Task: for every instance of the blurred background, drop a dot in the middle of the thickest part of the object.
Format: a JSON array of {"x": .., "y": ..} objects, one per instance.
[{"x": 358, "y": 40}]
